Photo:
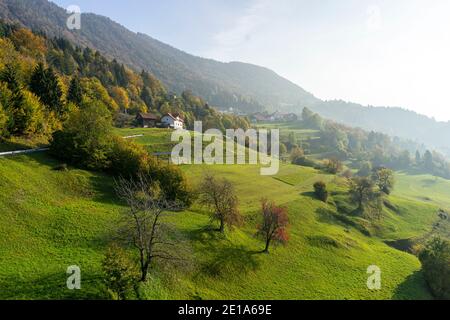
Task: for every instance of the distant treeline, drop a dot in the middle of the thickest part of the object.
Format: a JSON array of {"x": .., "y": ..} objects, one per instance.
[{"x": 379, "y": 149}]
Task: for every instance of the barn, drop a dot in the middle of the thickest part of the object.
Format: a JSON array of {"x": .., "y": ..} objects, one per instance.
[{"x": 146, "y": 120}]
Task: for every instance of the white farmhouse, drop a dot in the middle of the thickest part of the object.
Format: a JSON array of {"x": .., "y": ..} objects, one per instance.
[{"x": 172, "y": 122}]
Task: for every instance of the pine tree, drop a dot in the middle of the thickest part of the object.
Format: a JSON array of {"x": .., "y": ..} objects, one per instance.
[
  {"x": 146, "y": 96},
  {"x": 120, "y": 74},
  {"x": 10, "y": 76},
  {"x": 418, "y": 158},
  {"x": 428, "y": 160},
  {"x": 75, "y": 93},
  {"x": 45, "y": 84}
]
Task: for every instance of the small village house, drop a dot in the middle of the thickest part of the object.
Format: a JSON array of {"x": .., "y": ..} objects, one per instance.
[
  {"x": 172, "y": 121},
  {"x": 146, "y": 120}
]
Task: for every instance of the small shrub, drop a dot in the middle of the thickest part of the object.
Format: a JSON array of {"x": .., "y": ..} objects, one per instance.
[
  {"x": 333, "y": 166},
  {"x": 120, "y": 273},
  {"x": 320, "y": 190},
  {"x": 297, "y": 153},
  {"x": 127, "y": 158}
]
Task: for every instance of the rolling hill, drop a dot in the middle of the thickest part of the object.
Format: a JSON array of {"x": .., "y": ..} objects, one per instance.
[{"x": 61, "y": 218}]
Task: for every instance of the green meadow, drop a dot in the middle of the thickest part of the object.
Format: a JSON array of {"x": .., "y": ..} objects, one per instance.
[{"x": 51, "y": 219}]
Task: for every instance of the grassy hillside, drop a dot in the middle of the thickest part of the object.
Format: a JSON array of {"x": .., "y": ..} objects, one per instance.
[{"x": 52, "y": 219}]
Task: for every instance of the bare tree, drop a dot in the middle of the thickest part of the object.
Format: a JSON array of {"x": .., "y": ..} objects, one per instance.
[
  {"x": 220, "y": 196},
  {"x": 143, "y": 225}
]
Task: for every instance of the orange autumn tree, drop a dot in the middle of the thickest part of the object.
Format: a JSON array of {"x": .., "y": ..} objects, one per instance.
[{"x": 274, "y": 225}]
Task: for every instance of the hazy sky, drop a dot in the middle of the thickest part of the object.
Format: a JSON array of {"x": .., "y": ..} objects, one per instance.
[{"x": 379, "y": 52}]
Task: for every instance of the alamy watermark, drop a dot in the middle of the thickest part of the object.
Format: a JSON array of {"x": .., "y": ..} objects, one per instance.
[
  {"x": 231, "y": 148},
  {"x": 74, "y": 280},
  {"x": 374, "y": 280},
  {"x": 74, "y": 20}
]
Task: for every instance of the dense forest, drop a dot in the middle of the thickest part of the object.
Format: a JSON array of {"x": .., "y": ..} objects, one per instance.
[{"x": 43, "y": 79}]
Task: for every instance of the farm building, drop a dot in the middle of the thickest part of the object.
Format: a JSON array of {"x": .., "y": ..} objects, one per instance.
[{"x": 146, "y": 120}]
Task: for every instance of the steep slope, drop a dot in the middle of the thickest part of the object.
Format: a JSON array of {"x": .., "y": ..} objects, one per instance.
[{"x": 244, "y": 86}]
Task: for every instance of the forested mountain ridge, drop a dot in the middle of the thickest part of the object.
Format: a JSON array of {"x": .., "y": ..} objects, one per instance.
[
  {"x": 248, "y": 87},
  {"x": 242, "y": 86},
  {"x": 44, "y": 81}
]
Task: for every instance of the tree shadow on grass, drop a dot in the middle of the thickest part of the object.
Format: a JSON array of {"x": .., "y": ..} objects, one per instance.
[
  {"x": 226, "y": 259},
  {"x": 233, "y": 261},
  {"x": 326, "y": 216},
  {"x": 103, "y": 187},
  {"x": 309, "y": 194},
  {"x": 413, "y": 288},
  {"x": 52, "y": 287},
  {"x": 346, "y": 221}
]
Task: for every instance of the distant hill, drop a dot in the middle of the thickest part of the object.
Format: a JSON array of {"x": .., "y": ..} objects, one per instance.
[{"x": 242, "y": 86}]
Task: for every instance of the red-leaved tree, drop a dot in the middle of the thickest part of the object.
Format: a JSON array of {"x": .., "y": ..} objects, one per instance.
[{"x": 275, "y": 223}]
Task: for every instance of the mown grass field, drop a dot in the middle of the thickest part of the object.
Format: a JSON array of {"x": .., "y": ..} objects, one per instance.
[{"x": 51, "y": 219}]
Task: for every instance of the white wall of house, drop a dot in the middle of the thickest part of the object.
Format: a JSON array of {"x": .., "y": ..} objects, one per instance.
[{"x": 173, "y": 123}]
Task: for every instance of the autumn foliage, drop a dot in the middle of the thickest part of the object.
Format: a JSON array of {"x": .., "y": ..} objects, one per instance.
[{"x": 274, "y": 225}]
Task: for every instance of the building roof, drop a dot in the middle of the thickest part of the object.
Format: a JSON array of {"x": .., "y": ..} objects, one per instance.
[
  {"x": 173, "y": 117},
  {"x": 148, "y": 116}
]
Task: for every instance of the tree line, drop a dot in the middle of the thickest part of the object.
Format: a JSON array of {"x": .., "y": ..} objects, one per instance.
[{"x": 360, "y": 147}]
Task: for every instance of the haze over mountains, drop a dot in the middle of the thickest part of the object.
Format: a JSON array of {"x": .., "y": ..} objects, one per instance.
[{"x": 242, "y": 86}]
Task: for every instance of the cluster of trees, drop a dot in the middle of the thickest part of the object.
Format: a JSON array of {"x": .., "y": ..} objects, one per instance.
[
  {"x": 25, "y": 109},
  {"x": 87, "y": 140},
  {"x": 43, "y": 79},
  {"x": 367, "y": 192},
  {"x": 379, "y": 149},
  {"x": 220, "y": 197}
]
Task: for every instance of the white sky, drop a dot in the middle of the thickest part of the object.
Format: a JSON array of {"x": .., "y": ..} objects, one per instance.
[{"x": 387, "y": 53}]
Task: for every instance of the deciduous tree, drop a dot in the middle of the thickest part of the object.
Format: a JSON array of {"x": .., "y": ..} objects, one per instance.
[
  {"x": 362, "y": 191},
  {"x": 86, "y": 137},
  {"x": 274, "y": 224},
  {"x": 384, "y": 179},
  {"x": 143, "y": 224},
  {"x": 221, "y": 198},
  {"x": 333, "y": 165}
]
